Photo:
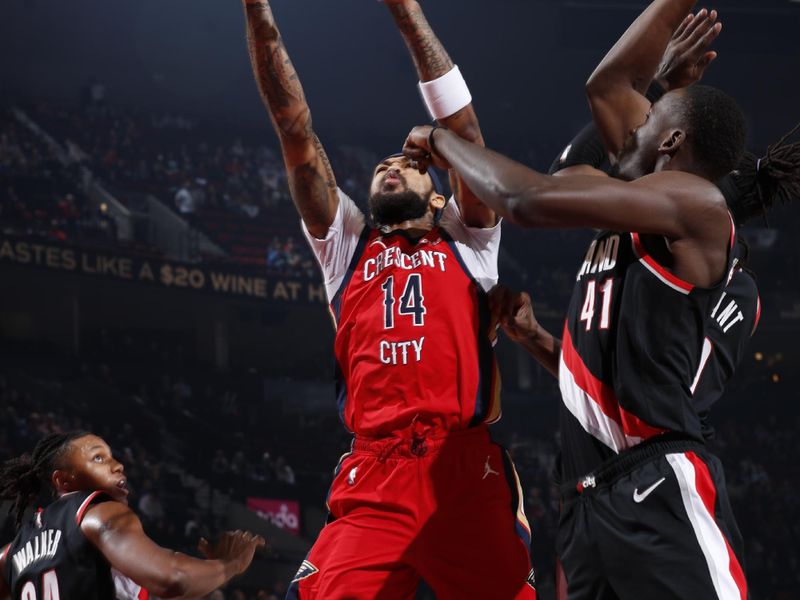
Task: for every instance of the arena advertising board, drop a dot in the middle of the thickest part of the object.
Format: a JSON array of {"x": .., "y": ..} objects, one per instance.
[
  {"x": 229, "y": 280},
  {"x": 284, "y": 514}
]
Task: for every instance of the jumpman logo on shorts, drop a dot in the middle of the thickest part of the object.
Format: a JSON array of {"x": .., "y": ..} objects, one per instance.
[{"x": 488, "y": 470}]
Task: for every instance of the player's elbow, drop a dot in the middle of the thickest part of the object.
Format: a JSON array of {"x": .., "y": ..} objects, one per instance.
[
  {"x": 598, "y": 84},
  {"x": 531, "y": 207},
  {"x": 522, "y": 208},
  {"x": 175, "y": 583}
]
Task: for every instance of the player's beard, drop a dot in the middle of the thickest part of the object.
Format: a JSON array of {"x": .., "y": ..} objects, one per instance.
[{"x": 392, "y": 208}]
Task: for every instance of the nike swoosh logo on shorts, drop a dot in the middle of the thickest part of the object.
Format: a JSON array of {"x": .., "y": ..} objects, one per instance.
[{"x": 637, "y": 497}]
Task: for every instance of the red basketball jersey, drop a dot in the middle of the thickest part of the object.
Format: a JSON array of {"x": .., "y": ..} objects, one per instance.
[{"x": 413, "y": 343}]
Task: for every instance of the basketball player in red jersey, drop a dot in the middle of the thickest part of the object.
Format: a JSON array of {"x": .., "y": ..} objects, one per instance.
[{"x": 424, "y": 493}]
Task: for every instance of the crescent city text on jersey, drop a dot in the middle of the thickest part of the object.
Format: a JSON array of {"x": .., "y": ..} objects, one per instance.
[
  {"x": 393, "y": 256},
  {"x": 601, "y": 256},
  {"x": 403, "y": 352}
]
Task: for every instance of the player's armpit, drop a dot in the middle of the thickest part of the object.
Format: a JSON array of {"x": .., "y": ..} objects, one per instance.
[{"x": 616, "y": 113}]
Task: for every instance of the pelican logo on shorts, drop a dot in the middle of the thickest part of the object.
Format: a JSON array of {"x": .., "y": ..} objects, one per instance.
[
  {"x": 531, "y": 580},
  {"x": 305, "y": 571},
  {"x": 351, "y": 477}
]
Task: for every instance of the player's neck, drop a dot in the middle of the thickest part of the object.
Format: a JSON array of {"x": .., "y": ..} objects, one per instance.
[{"x": 412, "y": 227}]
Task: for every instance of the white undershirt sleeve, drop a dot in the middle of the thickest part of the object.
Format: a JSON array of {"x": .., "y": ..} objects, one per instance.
[
  {"x": 335, "y": 251},
  {"x": 479, "y": 247}
]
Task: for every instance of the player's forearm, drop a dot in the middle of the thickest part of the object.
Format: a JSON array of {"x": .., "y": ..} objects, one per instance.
[
  {"x": 275, "y": 75},
  {"x": 432, "y": 62},
  {"x": 502, "y": 184},
  {"x": 545, "y": 348},
  {"x": 195, "y": 577},
  {"x": 430, "y": 57},
  {"x": 634, "y": 59},
  {"x": 311, "y": 180}
]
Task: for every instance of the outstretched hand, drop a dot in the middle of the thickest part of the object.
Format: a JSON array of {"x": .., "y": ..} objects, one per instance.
[
  {"x": 513, "y": 311},
  {"x": 236, "y": 547},
  {"x": 687, "y": 56}
]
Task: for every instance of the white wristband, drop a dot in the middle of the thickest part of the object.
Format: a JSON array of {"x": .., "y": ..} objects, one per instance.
[{"x": 446, "y": 95}]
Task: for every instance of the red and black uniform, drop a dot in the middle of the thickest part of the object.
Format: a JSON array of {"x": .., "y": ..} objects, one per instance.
[
  {"x": 643, "y": 498},
  {"x": 51, "y": 558},
  {"x": 425, "y": 493}
]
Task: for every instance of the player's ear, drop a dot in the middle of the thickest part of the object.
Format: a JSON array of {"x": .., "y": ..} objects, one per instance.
[
  {"x": 674, "y": 140},
  {"x": 63, "y": 480},
  {"x": 437, "y": 201}
]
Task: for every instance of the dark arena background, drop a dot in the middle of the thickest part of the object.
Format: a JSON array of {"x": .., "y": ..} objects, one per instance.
[{"x": 194, "y": 336}]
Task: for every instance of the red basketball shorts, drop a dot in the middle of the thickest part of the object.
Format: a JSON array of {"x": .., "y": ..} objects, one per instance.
[{"x": 448, "y": 510}]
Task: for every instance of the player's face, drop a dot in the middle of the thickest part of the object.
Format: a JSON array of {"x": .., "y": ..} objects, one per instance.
[
  {"x": 90, "y": 466},
  {"x": 639, "y": 156},
  {"x": 399, "y": 192}
]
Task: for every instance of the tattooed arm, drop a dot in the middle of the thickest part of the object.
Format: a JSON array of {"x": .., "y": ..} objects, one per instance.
[
  {"x": 311, "y": 180},
  {"x": 432, "y": 61}
]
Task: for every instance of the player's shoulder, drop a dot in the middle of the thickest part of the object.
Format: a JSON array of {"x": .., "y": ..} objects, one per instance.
[
  {"x": 681, "y": 184},
  {"x": 104, "y": 514}
]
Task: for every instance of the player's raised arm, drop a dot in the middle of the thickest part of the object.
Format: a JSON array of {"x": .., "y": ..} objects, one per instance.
[
  {"x": 311, "y": 180},
  {"x": 617, "y": 86},
  {"x": 449, "y": 99},
  {"x": 674, "y": 204},
  {"x": 117, "y": 533}
]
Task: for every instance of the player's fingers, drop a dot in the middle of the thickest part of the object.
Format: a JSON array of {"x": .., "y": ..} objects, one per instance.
[
  {"x": 260, "y": 541},
  {"x": 696, "y": 20},
  {"x": 707, "y": 59},
  {"x": 706, "y": 40},
  {"x": 203, "y": 546},
  {"x": 682, "y": 27},
  {"x": 699, "y": 28}
]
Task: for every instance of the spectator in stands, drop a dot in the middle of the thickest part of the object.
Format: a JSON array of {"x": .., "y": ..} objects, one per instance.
[
  {"x": 185, "y": 200},
  {"x": 283, "y": 472}
]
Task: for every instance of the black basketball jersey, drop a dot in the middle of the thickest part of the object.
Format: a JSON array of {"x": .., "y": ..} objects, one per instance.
[
  {"x": 51, "y": 559},
  {"x": 634, "y": 349},
  {"x": 734, "y": 319}
]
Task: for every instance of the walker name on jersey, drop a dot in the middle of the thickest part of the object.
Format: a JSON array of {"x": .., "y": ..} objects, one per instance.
[
  {"x": 601, "y": 256},
  {"x": 44, "y": 545},
  {"x": 394, "y": 257},
  {"x": 401, "y": 353},
  {"x": 727, "y": 317}
]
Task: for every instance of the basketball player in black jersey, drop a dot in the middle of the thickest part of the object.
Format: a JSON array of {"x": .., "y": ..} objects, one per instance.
[
  {"x": 67, "y": 549},
  {"x": 648, "y": 515}
]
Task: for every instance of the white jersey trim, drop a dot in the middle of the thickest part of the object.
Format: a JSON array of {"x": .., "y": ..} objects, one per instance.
[
  {"x": 335, "y": 251},
  {"x": 589, "y": 414},
  {"x": 709, "y": 536},
  {"x": 479, "y": 247}
]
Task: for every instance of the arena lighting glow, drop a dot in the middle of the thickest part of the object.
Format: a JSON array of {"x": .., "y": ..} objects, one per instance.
[{"x": 758, "y": 356}]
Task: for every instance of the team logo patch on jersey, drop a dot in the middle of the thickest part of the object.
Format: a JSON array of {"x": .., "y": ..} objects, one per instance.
[
  {"x": 531, "y": 580},
  {"x": 305, "y": 571}
]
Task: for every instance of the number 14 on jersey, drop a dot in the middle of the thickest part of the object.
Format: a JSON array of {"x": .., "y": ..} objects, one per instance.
[{"x": 412, "y": 301}]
